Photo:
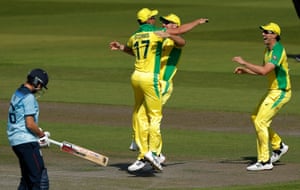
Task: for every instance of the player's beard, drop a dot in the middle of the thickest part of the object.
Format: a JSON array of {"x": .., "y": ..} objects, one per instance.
[{"x": 38, "y": 92}]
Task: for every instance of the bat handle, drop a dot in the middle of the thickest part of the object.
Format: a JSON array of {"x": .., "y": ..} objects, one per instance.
[{"x": 55, "y": 142}]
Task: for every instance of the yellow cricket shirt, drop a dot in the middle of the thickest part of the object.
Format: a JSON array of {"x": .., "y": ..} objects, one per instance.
[
  {"x": 147, "y": 48},
  {"x": 169, "y": 60},
  {"x": 279, "y": 78}
]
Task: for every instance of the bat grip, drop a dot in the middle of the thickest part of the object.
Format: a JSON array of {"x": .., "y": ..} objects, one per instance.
[{"x": 55, "y": 142}]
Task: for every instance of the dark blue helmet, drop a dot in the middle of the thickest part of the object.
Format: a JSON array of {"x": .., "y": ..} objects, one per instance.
[{"x": 38, "y": 76}]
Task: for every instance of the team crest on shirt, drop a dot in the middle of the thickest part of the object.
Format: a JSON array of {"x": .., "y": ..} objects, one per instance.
[{"x": 274, "y": 57}]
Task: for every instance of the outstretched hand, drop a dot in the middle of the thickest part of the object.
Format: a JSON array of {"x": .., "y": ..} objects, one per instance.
[
  {"x": 240, "y": 70},
  {"x": 114, "y": 45},
  {"x": 239, "y": 60},
  {"x": 202, "y": 20}
]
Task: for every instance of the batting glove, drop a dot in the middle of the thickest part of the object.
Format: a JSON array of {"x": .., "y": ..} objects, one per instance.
[{"x": 44, "y": 140}]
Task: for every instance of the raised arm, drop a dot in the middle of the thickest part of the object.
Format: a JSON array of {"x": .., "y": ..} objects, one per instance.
[
  {"x": 187, "y": 27},
  {"x": 178, "y": 40}
]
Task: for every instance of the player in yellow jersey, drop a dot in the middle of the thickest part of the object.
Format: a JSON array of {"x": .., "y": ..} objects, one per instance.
[
  {"x": 169, "y": 62},
  {"x": 146, "y": 46},
  {"x": 171, "y": 53},
  {"x": 275, "y": 67},
  {"x": 170, "y": 56}
]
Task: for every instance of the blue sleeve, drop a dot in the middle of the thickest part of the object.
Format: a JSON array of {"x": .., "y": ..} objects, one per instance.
[{"x": 29, "y": 105}]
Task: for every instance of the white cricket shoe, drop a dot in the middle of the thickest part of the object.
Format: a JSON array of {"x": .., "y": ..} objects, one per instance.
[
  {"x": 153, "y": 159},
  {"x": 258, "y": 166},
  {"x": 133, "y": 146},
  {"x": 276, "y": 154},
  {"x": 137, "y": 165},
  {"x": 161, "y": 158}
]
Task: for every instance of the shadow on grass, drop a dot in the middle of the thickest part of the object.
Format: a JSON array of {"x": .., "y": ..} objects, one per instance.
[
  {"x": 242, "y": 160},
  {"x": 247, "y": 160},
  {"x": 146, "y": 171}
]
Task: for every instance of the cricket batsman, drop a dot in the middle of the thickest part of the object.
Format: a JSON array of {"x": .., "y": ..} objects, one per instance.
[{"x": 24, "y": 135}]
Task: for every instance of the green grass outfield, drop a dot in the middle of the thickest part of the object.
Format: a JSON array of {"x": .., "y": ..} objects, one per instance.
[{"x": 69, "y": 39}]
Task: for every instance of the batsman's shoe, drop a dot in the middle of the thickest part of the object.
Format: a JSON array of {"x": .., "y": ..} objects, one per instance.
[
  {"x": 133, "y": 146},
  {"x": 161, "y": 158},
  {"x": 153, "y": 159},
  {"x": 258, "y": 166},
  {"x": 137, "y": 165},
  {"x": 276, "y": 154}
]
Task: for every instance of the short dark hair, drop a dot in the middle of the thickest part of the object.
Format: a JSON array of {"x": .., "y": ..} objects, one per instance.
[{"x": 140, "y": 22}]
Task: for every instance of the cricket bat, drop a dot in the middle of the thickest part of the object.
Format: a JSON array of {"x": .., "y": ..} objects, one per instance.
[{"x": 81, "y": 152}]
